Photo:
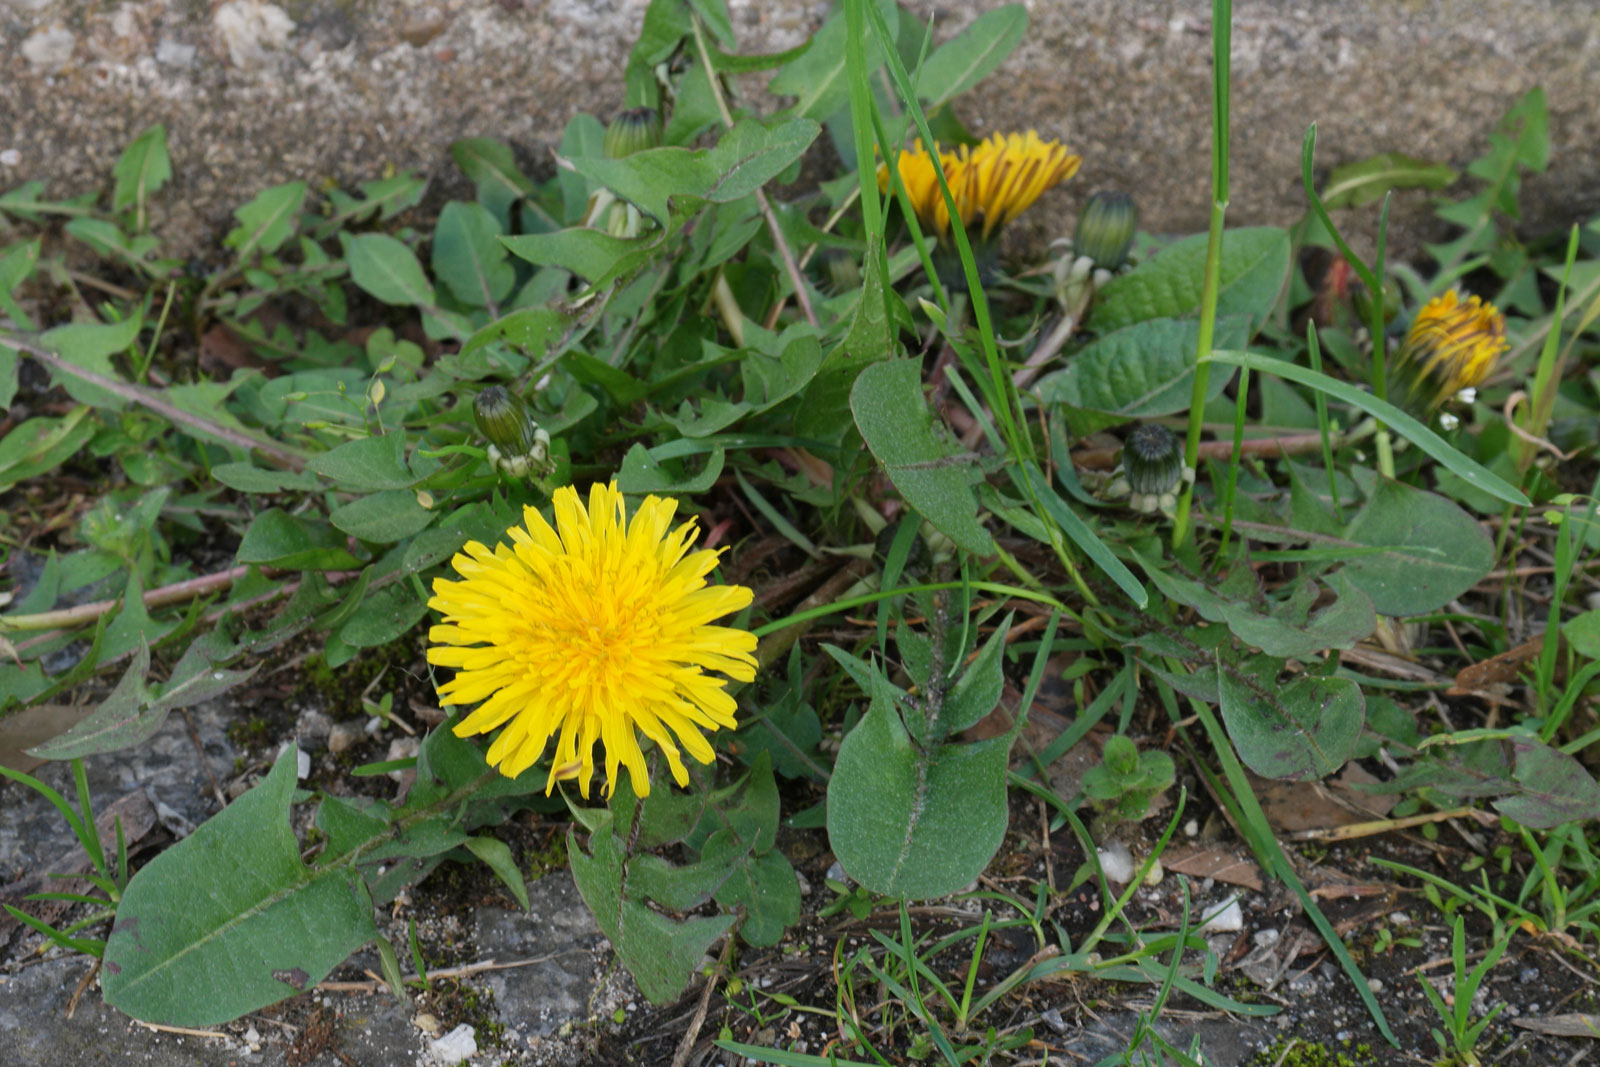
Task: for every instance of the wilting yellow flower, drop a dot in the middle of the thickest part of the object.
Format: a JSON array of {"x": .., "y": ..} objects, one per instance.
[
  {"x": 586, "y": 631},
  {"x": 997, "y": 179},
  {"x": 1452, "y": 345}
]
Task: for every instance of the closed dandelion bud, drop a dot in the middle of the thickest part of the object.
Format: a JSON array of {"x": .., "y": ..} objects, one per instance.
[
  {"x": 633, "y": 131},
  {"x": 1105, "y": 229},
  {"x": 1152, "y": 460},
  {"x": 504, "y": 421},
  {"x": 1452, "y": 345},
  {"x": 844, "y": 273}
]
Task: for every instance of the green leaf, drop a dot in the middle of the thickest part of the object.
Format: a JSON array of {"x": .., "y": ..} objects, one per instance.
[
  {"x": 366, "y": 463},
  {"x": 762, "y": 886},
  {"x": 977, "y": 692},
  {"x": 383, "y": 517},
  {"x": 1431, "y": 443},
  {"x": 642, "y": 472},
  {"x": 1304, "y": 730},
  {"x": 1369, "y": 180},
  {"x": 91, "y": 347},
  {"x": 824, "y": 413},
  {"x": 382, "y": 617},
  {"x": 593, "y": 255},
  {"x": 660, "y": 954},
  {"x": 1138, "y": 372},
  {"x": 905, "y": 821},
  {"x": 1555, "y": 788},
  {"x": 533, "y": 330},
  {"x": 492, "y": 169},
  {"x": 247, "y": 478},
  {"x": 294, "y": 542},
  {"x": 40, "y": 445},
  {"x": 15, "y": 266},
  {"x": 1432, "y": 550},
  {"x": 468, "y": 256},
  {"x": 267, "y": 221},
  {"x": 1083, "y": 535},
  {"x": 143, "y": 168},
  {"x": 930, "y": 470},
  {"x": 1583, "y": 634},
  {"x": 1255, "y": 266},
  {"x": 497, "y": 855},
  {"x": 584, "y": 137},
  {"x": 228, "y": 920},
  {"x": 967, "y": 58},
  {"x": 389, "y": 270},
  {"x": 819, "y": 79}
]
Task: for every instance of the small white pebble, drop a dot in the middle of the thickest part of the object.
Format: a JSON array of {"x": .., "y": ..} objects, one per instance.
[
  {"x": 1223, "y": 917},
  {"x": 459, "y": 1044},
  {"x": 1375, "y": 984},
  {"x": 10, "y": 157},
  {"x": 1191, "y": 828},
  {"x": 1116, "y": 863}
]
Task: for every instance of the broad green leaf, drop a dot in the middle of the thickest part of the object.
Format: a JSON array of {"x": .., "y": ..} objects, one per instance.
[
  {"x": 91, "y": 347},
  {"x": 1305, "y": 729},
  {"x": 388, "y": 269},
  {"x": 642, "y": 472},
  {"x": 492, "y": 169},
  {"x": 761, "y": 885},
  {"x": 251, "y": 479},
  {"x": 533, "y": 330},
  {"x": 496, "y": 855},
  {"x": 40, "y": 445},
  {"x": 977, "y": 692},
  {"x": 907, "y": 821},
  {"x": 1555, "y": 789},
  {"x": 16, "y": 264},
  {"x": 819, "y": 79},
  {"x": 143, "y": 168},
  {"x": 468, "y": 256},
  {"x": 931, "y": 471},
  {"x": 593, "y": 255},
  {"x": 1432, "y": 550},
  {"x": 824, "y": 413},
  {"x": 228, "y": 920},
  {"x": 382, "y": 617},
  {"x": 584, "y": 138},
  {"x": 294, "y": 542},
  {"x": 1138, "y": 372},
  {"x": 383, "y": 517},
  {"x": 366, "y": 463},
  {"x": 1255, "y": 267},
  {"x": 1369, "y": 180},
  {"x": 660, "y": 954},
  {"x": 967, "y": 58},
  {"x": 267, "y": 221},
  {"x": 1397, "y": 420}
]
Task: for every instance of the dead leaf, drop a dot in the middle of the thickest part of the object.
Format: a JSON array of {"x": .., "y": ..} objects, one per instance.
[
  {"x": 1503, "y": 669},
  {"x": 1224, "y": 865},
  {"x": 1574, "y": 1025},
  {"x": 34, "y": 726}
]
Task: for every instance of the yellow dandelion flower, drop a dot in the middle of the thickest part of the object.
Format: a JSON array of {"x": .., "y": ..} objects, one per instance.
[
  {"x": 1452, "y": 345},
  {"x": 585, "y": 632},
  {"x": 997, "y": 179}
]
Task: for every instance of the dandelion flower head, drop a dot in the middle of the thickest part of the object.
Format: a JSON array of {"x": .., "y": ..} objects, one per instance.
[
  {"x": 1452, "y": 345},
  {"x": 586, "y": 632},
  {"x": 996, "y": 179}
]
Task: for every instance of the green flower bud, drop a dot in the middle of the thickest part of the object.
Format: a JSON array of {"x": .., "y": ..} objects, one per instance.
[
  {"x": 502, "y": 418},
  {"x": 844, "y": 273},
  {"x": 1152, "y": 460},
  {"x": 633, "y": 131},
  {"x": 1105, "y": 229}
]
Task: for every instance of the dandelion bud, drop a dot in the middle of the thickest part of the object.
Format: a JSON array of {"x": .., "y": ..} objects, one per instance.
[
  {"x": 633, "y": 131},
  {"x": 1105, "y": 229},
  {"x": 1452, "y": 345},
  {"x": 504, "y": 421},
  {"x": 844, "y": 273},
  {"x": 1152, "y": 460}
]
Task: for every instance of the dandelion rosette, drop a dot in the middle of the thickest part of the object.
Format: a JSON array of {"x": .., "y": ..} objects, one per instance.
[
  {"x": 995, "y": 180},
  {"x": 586, "y": 632},
  {"x": 1452, "y": 345}
]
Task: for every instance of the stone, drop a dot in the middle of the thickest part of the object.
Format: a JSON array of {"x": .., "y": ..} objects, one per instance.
[
  {"x": 559, "y": 932},
  {"x": 338, "y": 92},
  {"x": 459, "y": 1044},
  {"x": 49, "y": 50},
  {"x": 313, "y": 725},
  {"x": 343, "y": 735}
]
